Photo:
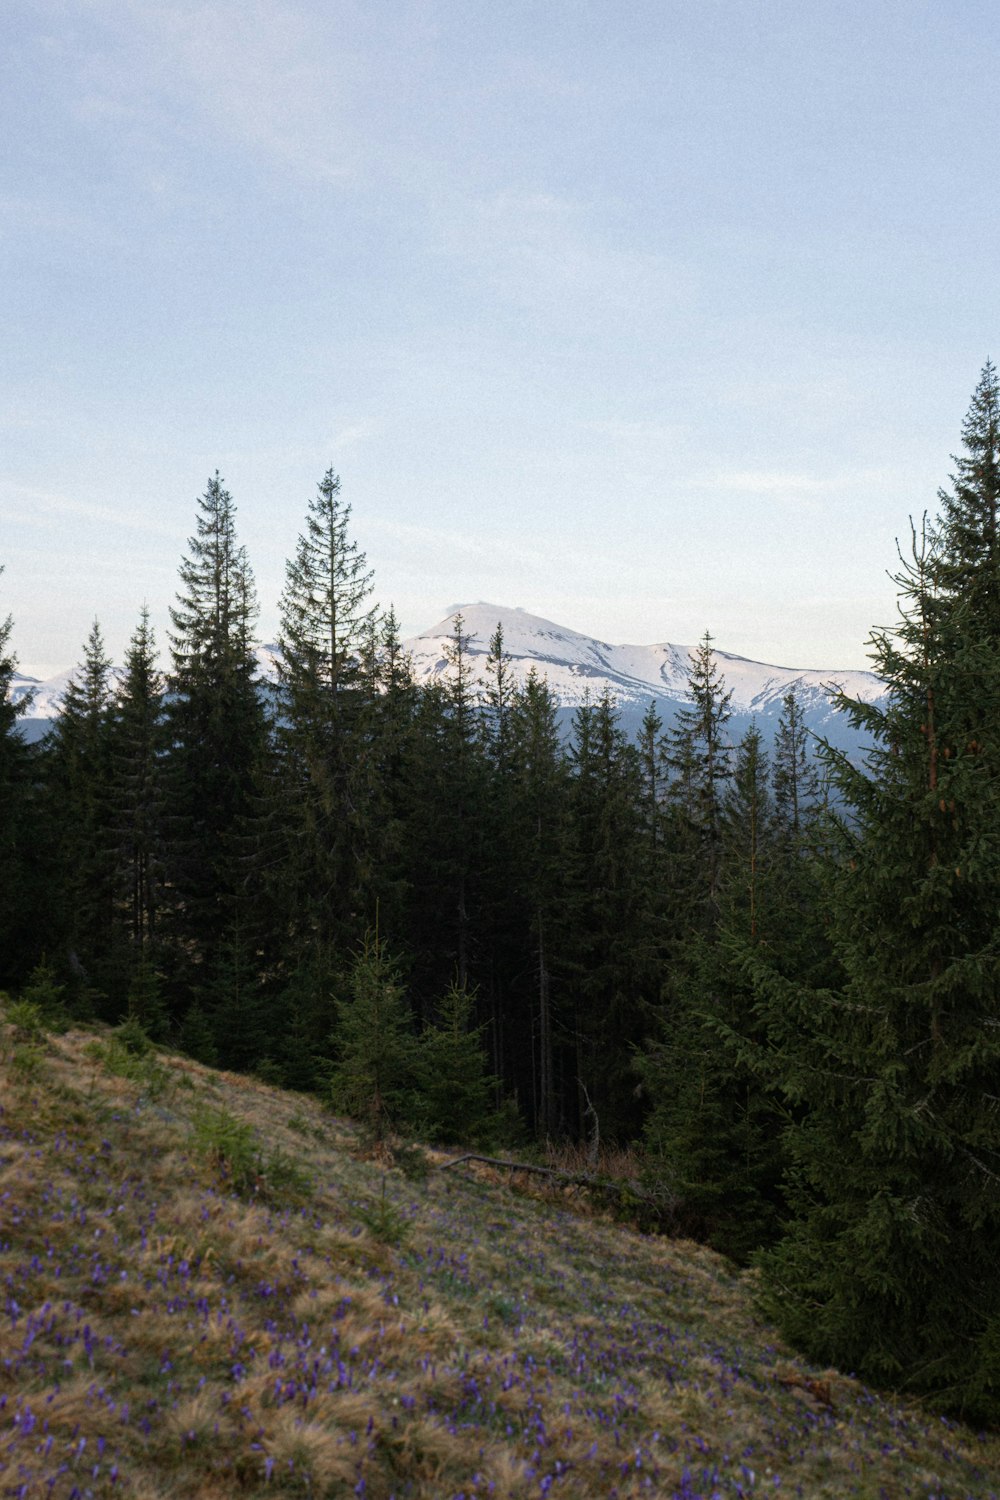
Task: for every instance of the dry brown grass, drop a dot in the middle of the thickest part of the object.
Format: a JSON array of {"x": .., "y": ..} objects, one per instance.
[{"x": 205, "y": 1345}]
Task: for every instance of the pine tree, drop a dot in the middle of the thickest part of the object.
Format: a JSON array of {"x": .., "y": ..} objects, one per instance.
[
  {"x": 612, "y": 980},
  {"x": 217, "y": 732},
  {"x": 18, "y": 836},
  {"x": 446, "y": 804},
  {"x": 329, "y": 640},
  {"x": 78, "y": 775},
  {"x": 136, "y": 768},
  {"x": 457, "y": 1094},
  {"x": 373, "y": 1076},
  {"x": 796, "y": 783},
  {"x": 700, "y": 759},
  {"x": 889, "y": 1265},
  {"x": 713, "y": 1134},
  {"x": 530, "y": 1029}
]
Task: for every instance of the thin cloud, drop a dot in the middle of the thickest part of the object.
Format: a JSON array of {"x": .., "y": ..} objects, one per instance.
[
  {"x": 30, "y": 506},
  {"x": 260, "y": 73},
  {"x": 541, "y": 250}
]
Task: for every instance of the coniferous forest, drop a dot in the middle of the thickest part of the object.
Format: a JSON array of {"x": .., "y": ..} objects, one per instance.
[{"x": 775, "y": 971}]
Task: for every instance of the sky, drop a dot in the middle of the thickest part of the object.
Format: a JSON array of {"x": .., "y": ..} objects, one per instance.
[{"x": 647, "y": 316}]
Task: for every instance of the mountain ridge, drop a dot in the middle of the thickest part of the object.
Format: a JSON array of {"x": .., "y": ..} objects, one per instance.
[
  {"x": 576, "y": 665},
  {"x": 635, "y": 675}
]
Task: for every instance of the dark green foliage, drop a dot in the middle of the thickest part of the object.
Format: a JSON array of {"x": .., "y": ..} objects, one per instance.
[
  {"x": 796, "y": 780},
  {"x": 320, "y": 848},
  {"x": 537, "y": 820},
  {"x": 457, "y": 1094},
  {"x": 78, "y": 773},
  {"x": 196, "y": 1036},
  {"x": 611, "y": 978},
  {"x": 48, "y": 996},
  {"x": 700, "y": 759},
  {"x": 146, "y": 1006},
  {"x": 373, "y": 1074},
  {"x": 19, "y": 893},
  {"x": 445, "y": 829},
  {"x": 137, "y": 796},
  {"x": 217, "y": 736},
  {"x": 889, "y": 1265}
]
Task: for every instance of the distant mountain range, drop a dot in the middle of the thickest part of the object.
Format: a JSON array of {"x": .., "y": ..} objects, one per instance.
[{"x": 575, "y": 664}]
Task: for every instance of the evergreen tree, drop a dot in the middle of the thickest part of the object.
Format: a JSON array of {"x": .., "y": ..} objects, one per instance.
[
  {"x": 700, "y": 759},
  {"x": 217, "y": 735},
  {"x": 18, "y": 838},
  {"x": 78, "y": 777},
  {"x": 146, "y": 1006},
  {"x": 457, "y": 1094},
  {"x": 445, "y": 828},
  {"x": 325, "y": 838},
  {"x": 373, "y": 1075},
  {"x": 499, "y": 701},
  {"x": 136, "y": 766},
  {"x": 796, "y": 783},
  {"x": 389, "y": 748},
  {"x": 504, "y": 915},
  {"x": 889, "y": 1265},
  {"x": 530, "y": 1028},
  {"x": 714, "y": 1131},
  {"x": 611, "y": 977}
]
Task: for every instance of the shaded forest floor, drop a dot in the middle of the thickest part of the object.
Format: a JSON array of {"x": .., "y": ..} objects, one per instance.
[{"x": 212, "y": 1288}]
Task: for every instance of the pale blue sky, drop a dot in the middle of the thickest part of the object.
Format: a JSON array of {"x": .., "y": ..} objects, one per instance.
[{"x": 648, "y": 317}]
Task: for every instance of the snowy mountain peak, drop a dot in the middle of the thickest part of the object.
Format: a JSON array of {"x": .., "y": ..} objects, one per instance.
[{"x": 575, "y": 664}]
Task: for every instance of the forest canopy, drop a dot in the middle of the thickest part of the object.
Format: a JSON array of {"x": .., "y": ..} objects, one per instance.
[{"x": 774, "y": 969}]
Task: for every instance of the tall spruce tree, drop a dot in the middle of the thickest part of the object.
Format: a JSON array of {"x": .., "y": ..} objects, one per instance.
[
  {"x": 713, "y": 1134},
  {"x": 78, "y": 775},
  {"x": 533, "y": 1032},
  {"x": 504, "y": 913},
  {"x": 700, "y": 760},
  {"x": 610, "y": 977},
  {"x": 374, "y": 1073},
  {"x": 795, "y": 779},
  {"x": 446, "y": 820},
  {"x": 328, "y": 629},
  {"x": 217, "y": 730},
  {"x": 18, "y": 912},
  {"x": 889, "y": 1265},
  {"x": 136, "y": 766}
]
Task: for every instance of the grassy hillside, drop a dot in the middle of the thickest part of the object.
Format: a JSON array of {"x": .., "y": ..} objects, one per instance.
[{"x": 310, "y": 1321}]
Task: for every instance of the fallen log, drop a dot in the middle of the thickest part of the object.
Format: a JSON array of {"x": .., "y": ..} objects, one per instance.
[{"x": 586, "y": 1180}]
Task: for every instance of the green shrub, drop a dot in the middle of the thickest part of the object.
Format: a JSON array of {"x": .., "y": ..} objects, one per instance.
[
  {"x": 26, "y": 1062},
  {"x": 384, "y": 1220},
  {"x": 229, "y": 1145},
  {"x": 26, "y": 1018},
  {"x": 120, "y": 1057},
  {"x": 283, "y": 1178},
  {"x": 49, "y": 997}
]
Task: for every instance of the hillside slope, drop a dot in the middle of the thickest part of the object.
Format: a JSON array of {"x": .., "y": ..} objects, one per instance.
[{"x": 372, "y": 1334}]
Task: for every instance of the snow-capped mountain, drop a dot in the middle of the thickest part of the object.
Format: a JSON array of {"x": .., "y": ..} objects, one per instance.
[
  {"x": 574, "y": 664},
  {"x": 47, "y": 696}
]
